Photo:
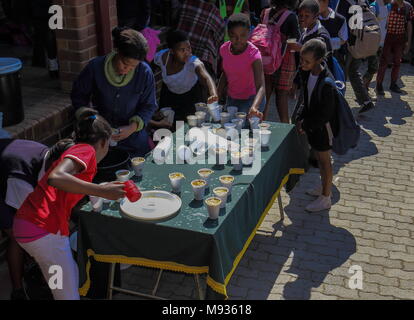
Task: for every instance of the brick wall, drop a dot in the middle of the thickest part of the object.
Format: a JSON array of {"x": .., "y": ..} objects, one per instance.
[{"x": 78, "y": 41}]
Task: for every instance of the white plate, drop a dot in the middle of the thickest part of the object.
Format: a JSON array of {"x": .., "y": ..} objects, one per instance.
[{"x": 153, "y": 205}]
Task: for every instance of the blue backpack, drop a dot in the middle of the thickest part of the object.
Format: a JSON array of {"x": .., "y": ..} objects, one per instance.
[
  {"x": 349, "y": 130},
  {"x": 339, "y": 75}
]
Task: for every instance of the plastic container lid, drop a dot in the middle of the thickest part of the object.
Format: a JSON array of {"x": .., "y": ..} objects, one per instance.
[{"x": 9, "y": 65}]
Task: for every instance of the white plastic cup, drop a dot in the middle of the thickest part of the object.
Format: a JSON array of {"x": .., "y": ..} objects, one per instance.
[
  {"x": 199, "y": 187},
  {"x": 232, "y": 111},
  {"x": 138, "y": 165},
  {"x": 213, "y": 209},
  {"x": 247, "y": 156},
  {"x": 264, "y": 126},
  {"x": 113, "y": 143},
  {"x": 221, "y": 155},
  {"x": 291, "y": 40},
  {"x": 123, "y": 175},
  {"x": 227, "y": 181},
  {"x": 97, "y": 203},
  {"x": 221, "y": 193},
  {"x": 205, "y": 174},
  {"x": 192, "y": 121},
  {"x": 236, "y": 161},
  {"x": 201, "y": 106},
  {"x": 238, "y": 123},
  {"x": 225, "y": 117},
  {"x": 201, "y": 117},
  {"x": 214, "y": 110},
  {"x": 243, "y": 116},
  {"x": 176, "y": 179},
  {"x": 265, "y": 137},
  {"x": 254, "y": 123},
  {"x": 169, "y": 114}
]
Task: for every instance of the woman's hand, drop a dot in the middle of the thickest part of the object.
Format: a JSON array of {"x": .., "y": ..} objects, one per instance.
[
  {"x": 299, "y": 127},
  {"x": 213, "y": 98},
  {"x": 112, "y": 190},
  {"x": 124, "y": 132},
  {"x": 253, "y": 112}
]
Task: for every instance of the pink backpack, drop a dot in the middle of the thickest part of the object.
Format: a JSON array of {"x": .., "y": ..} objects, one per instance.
[{"x": 268, "y": 39}]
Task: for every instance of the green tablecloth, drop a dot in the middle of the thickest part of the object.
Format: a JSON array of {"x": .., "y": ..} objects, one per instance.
[{"x": 190, "y": 242}]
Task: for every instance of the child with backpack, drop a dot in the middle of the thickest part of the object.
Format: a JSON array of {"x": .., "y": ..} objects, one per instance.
[
  {"x": 397, "y": 42},
  {"x": 284, "y": 21},
  {"x": 318, "y": 118},
  {"x": 41, "y": 225},
  {"x": 243, "y": 70}
]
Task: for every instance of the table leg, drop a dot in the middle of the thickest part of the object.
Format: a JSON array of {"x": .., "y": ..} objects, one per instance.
[
  {"x": 157, "y": 283},
  {"x": 282, "y": 212},
  {"x": 111, "y": 281},
  {"x": 200, "y": 292}
]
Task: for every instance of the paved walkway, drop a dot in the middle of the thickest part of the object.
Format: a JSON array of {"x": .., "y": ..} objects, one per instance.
[{"x": 370, "y": 227}]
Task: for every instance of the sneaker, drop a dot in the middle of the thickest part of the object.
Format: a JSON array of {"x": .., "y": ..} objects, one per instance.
[
  {"x": 395, "y": 88},
  {"x": 366, "y": 107},
  {"x": 18, "y": 294},
  {"x": 380, "y": 90},
  {"x": 315, "y": 191},
  {"x": 320, "y": 204}
]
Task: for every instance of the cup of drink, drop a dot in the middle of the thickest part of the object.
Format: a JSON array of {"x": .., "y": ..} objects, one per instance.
[
  {"x": 221, "y": 155},
  {"x": 205, "y": 174},
  {"x": 201, "y": 107},
  {"x": 227, "y": 181},
  {"x": 113, "y": 143},
  {"x": 254, "y": 122},
  {"x": 238, "y": 123},
  {"x": 232, "y": 111},
  {"x": 199, "y": 187},
  {"x": 236, "y": 161},
  {"x": 214, "y": 110},
  {"x": 265, "y": 137},
  {"x": 225, "y": 117},
  {"x": 206, "y": 125},
  {"x": 192, "y": 121},
  {"x": 213, "y": 207},
  {"x": 247, "y": 154},
  {"x": 132, "y": 192},
  {"x": 176, "y": 179},
  {"x": 243, "y": 116},
  {"x": 201, "y": 117},
  {"x": 221, "y": 193},
  {"x": 264, "y": 126},
  {"x": 138, "y": 165},
  {"x": 251, "y": 142},
  {"x": 97, "y": 203},
  {"x": 123, "y": 175},
  {"x": 291, "y": 41}
]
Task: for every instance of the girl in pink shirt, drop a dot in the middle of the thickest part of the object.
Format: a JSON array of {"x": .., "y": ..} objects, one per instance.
[{"x": 243, "y": 70}]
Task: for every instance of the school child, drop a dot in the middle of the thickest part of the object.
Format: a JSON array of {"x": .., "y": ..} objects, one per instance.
[
  {"x": 282, "y": 80},
  {"x": 318, "y": 117},
  {"x": 243, "y": 70},
  {"x": 397, "y": 42},
  {"x": 183, "y": 76},
  {"x": 337, "y": 27},
  {"x": 41, "y": 224}
]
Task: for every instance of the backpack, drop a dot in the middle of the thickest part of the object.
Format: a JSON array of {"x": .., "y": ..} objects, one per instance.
[
  {"x": 339, "y": 75},
  {"x": 348, "y": 129},
  {"x": 268, "y": 39},
  {"x": 223, "y": 12},
  {"x": 365, "y": 42}
]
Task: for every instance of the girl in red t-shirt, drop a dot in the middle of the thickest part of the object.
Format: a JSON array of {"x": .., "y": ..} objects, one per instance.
[{"x": 41, "y": 225}]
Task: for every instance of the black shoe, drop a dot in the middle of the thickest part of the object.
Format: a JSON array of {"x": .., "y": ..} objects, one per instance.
[
  {"x": 18, "y": 294},
  {"x": 380, "y": 90},
  {"x": 394, "y": 88},
  {"x": 366, "y": 107}
]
